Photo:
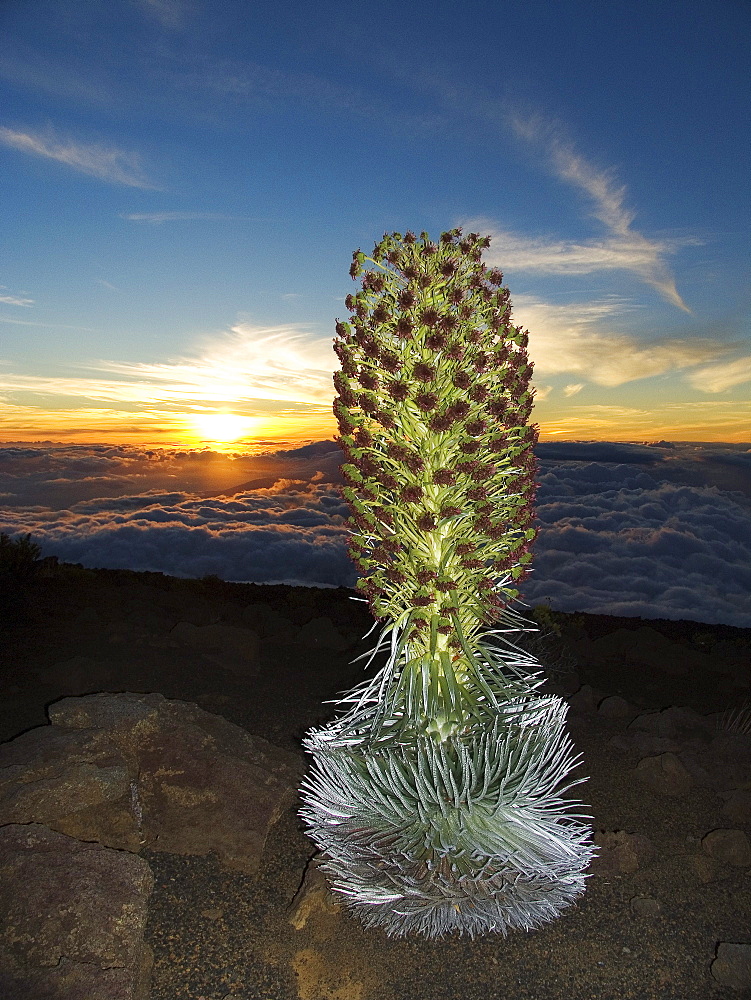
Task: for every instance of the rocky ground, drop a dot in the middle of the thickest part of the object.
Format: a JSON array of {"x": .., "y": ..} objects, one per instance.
[{"x": 667, "y": 912}]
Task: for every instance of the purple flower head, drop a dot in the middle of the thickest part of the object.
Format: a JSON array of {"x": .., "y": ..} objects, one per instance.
[
  {"x": 423, "y": 372},
  {"x": 476, "y": 427},
  {"x": 448, "y": 322},
  {"x": 482, "y": 472},
  {"x": 429, "y": 316},
  {"x": 435, "y": 341},
  {"x": 426, "y": 401},
  {"x": 444, "y": 477},
  {"x": 469, "y": 447},
  {"x": 412, "y": 494},
  {"x": 459, "y": 410},
  {"x": 374, "y": 281},
  {"x": 450, "y": 511},
  {"x": 346, "y": 398},
  {"x": 404, "y": 328},
  {"x": 395, "y": 575},
  {"x": 426, "y": 522},
  {"x": 464, "y": 548},
  {"x": 389, "y": 361},
  {"x": 441, "y": 422}
]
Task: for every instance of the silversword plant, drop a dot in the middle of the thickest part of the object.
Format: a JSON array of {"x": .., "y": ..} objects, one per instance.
[{"x": 438, "y": 796}]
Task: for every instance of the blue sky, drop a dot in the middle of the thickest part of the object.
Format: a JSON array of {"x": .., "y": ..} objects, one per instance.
[{"x": 185, "y": 182}]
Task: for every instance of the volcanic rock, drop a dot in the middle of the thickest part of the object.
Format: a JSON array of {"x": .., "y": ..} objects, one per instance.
[
  {"x": 729, "y": 846},
  {"x": 664, "y": 774},
  {"x": 732, "y": 967},
  {"x": 133, "y": 770},
  {"x": 73, "y": 917}
]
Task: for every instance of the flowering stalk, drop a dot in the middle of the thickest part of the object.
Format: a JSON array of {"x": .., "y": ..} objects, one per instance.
[{"x": 435, "y": 794}]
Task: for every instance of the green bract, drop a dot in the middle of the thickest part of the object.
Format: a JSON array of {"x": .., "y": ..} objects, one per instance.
[{"x": 433, "y": 406}]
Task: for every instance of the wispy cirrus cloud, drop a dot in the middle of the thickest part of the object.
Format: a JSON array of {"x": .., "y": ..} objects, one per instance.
[
  {"x": 47, "y": 326},
  {"x": 159, "y": 217},
  {"x": 171, "y": 14},
  {"x": 548, "y": 255},
  {"x": 246, "y": 365},
  {"x": 14, "y": 300},
  {"x": 720, "y": 377},
  {"x": 625, "y": 247},
  {"x": 106, "y": 163},
  {"x": 582, "y": 339}
]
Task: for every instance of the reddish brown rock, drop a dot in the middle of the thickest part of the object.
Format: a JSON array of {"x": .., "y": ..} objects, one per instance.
[
  {"x": 313, "y": 897},
  {"x": 738, "y": 807},
  {"x": 583, "y": 700},
  {"x": 75, "y": 781},
  {"x": 645, "y": 906},
  {"x": 675, "y": 722},
  {"x": 729, "y": 846},
  {"x": 620, "y": 852},
  {"x": 664, "y": 774},
  {"x": 72, "y": 918},
  {"x": 732, "y": 967},
  {"x": 133, "y": 770},
  {"x": 614, "y": 707}
]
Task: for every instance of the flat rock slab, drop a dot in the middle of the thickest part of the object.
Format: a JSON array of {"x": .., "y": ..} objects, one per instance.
[
  {"x": 72, "y": 917},
  {"x": 137, "y": 770}
]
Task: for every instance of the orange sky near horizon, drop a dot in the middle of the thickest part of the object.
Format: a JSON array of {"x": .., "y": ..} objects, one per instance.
[
  {"x": 267, "y": 388},
  {"x": 236, "y": 430}
]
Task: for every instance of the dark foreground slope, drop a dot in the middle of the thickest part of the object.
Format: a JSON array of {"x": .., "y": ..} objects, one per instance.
[{"x": 268, "y": 657}]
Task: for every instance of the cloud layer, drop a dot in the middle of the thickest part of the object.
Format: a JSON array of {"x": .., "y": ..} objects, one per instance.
[
  {"x": 659, "y": 531},
  {"x": 103, "y": 162}
]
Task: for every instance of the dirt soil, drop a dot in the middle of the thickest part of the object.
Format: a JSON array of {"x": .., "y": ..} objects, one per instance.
[{"x": 219, "y": 935}]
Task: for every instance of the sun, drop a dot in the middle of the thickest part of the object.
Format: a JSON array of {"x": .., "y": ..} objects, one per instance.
[{"x": 220, "y": 427}]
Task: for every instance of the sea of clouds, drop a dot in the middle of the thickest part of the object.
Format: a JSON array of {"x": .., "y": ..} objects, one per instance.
[{"x": 650, "y": 531}]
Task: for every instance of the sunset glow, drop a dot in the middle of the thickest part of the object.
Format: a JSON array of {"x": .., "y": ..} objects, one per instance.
[{"x": 221, "y": 427}]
